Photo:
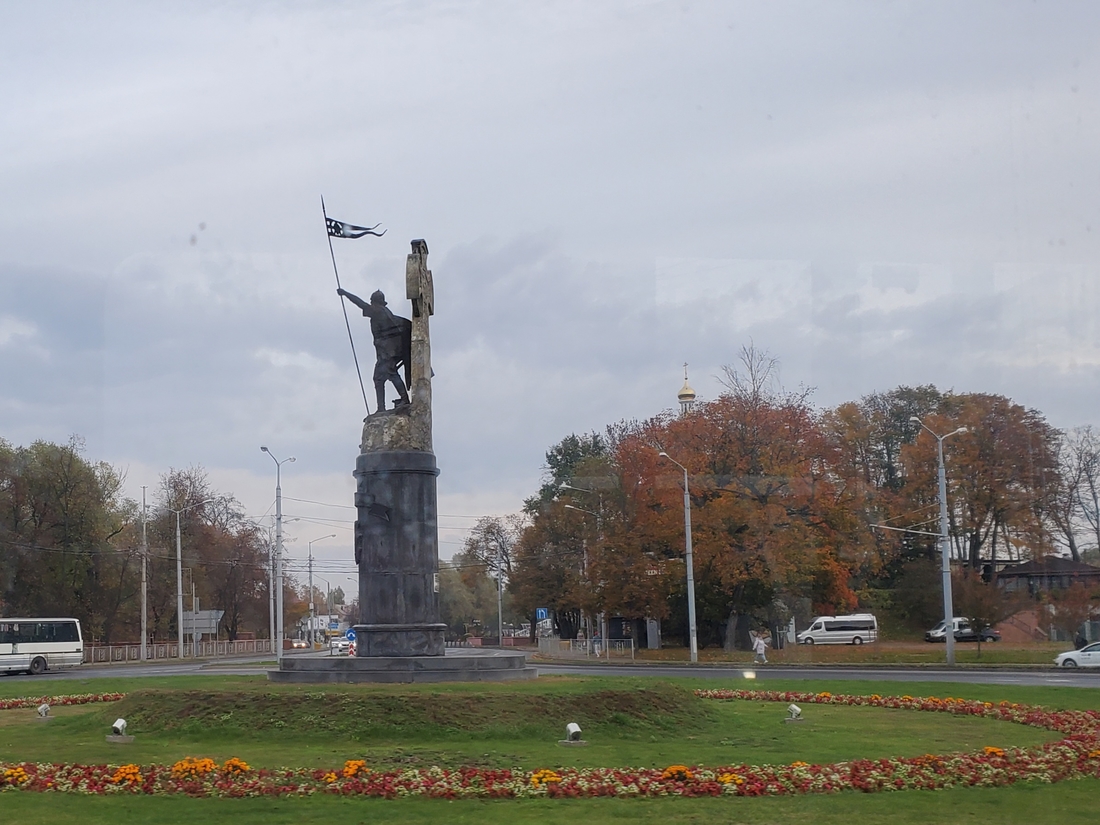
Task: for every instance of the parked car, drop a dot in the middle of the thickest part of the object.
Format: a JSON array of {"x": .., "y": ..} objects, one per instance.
[
  {"x": 1088, "y": 656},
  {"x": 963, "y": 633}
]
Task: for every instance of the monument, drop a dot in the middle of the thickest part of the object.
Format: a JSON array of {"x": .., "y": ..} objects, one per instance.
[{"x": 399, "y": 636}]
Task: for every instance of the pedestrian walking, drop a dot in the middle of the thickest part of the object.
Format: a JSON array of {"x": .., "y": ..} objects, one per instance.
[{"x": 760, "y": 647}]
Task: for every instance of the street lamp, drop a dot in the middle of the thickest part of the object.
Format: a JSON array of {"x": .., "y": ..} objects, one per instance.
[
  {"x": 278, "y": 552},
  {"x": 584, "y": 559},
  {"x": 179, "y": 575},
  {"x": 687, "y": 553},
  {"x": 945, "y": 545},
  {"x": 312, "y": 609}
]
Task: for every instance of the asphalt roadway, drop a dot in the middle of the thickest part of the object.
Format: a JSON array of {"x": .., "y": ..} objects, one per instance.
[{"x": 252, "y": 666}]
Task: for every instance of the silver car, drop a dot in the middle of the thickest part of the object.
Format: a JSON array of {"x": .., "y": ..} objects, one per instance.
[{"x": 1088, "y": 656}]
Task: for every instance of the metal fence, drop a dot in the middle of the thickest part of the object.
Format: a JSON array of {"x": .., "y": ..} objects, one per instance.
[
  {"x": 555, "y": 648},
  {"x": 108, "y": 654}
]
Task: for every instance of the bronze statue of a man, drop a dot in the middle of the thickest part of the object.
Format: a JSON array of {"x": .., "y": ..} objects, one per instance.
[{"x": 392, "y": 345}]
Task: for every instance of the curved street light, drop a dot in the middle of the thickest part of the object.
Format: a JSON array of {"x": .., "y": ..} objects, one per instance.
[
  {"x": 179, "y": 574},
  {"x": 312, "y": 602},
  {"x": 278, "y": 552},
  {"x": 692, "y": 632},
  {"x": 945, "y": 542}
]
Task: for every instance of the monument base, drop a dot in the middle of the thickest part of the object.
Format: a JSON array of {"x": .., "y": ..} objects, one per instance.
[
  {"x": 372, "y": 640},
  {"x": 459, "y": 665}
]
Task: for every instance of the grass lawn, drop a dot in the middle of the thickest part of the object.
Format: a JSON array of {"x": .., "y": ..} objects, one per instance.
[
  {"x": 1066, "y": 803},
  {"x": 628, "y": 722}
]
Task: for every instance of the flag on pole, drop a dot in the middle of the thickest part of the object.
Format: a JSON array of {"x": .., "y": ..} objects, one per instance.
[{"x": 339, "y": 229}]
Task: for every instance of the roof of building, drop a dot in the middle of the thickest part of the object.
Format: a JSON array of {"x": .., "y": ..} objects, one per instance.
[{"x": 1051, "y": 566}]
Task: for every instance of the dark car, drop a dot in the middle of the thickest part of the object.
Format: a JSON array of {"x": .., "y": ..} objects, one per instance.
[{"x": 967, "y": 634}]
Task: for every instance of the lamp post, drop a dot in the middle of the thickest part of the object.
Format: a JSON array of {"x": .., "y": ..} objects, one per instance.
[
  {"x": 144, "y": 581},
  {"x": 278, "y": 552},
  {"x": 687, "y": 553},
  {"x": 945, "y": 543},
  {"x": 312, "y": 608},
  {"x": 584, "y": 558},
  {"x": 179, "y": 575}
]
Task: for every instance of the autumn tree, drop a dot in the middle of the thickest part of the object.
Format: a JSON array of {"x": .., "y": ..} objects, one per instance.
[
  {"x": 64, "y": 544},
  {"x": 982, "y": 603},
  {"x": 1072, "y": 606}
]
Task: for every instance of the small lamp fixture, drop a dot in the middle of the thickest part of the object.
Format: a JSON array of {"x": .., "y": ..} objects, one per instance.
[
  {"x": 795, "y": 711},
  {"x": 119, "y": 727},
  {"x": 43, "y": 710},
  {"x": 573, "y": 732}
]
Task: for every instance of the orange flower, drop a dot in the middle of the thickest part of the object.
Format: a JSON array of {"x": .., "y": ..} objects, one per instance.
[
  {"x": 191, "y": 767},
  {"x": 127, "y": 775},
  {"x": 235, "y": 766},
  {"x": 680, "y": 773},
  {"x": 355, "y": 767}
]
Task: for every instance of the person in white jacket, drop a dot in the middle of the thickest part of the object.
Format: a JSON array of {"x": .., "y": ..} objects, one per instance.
[{"x": 760, "y": 647}]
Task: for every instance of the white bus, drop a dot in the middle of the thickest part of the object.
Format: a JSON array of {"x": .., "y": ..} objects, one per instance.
[
  {"x": 841, "y": 630},
  {"x": 38, "y": 645}
]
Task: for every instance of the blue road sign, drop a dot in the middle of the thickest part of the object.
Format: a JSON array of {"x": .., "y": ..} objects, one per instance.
[
  {"x": 333, "y": 625},
  {"x": 349, "y": 634},
  {"x": 541, "y": 614}
]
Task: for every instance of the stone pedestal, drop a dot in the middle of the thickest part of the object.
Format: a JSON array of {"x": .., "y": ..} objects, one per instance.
[{"x": 396, "y": 548}]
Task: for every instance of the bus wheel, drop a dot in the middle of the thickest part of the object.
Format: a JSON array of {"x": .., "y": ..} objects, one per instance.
[
  {"x": 857, "y": 641},
  {"x": 38, "y": 666}
]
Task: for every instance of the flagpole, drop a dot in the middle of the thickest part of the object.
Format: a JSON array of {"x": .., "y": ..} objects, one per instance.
[{"x": 344, "y": 307}]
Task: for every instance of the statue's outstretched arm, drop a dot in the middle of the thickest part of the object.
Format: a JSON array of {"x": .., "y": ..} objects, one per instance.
[{"x": 355, "y": 299}]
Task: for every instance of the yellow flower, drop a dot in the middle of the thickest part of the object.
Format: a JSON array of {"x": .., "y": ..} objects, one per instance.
[
  {"x": 355, "y": 767},
  {"x": 991, "y": 751},
  {"x": 329, "y": 777},
  {"x": 544, "y": 776},
  {"x": 730, "y": 779},
  {"x": 16, "y": 775},
  {"x": 824, "y": 695},
  {"x": 127, "y": 775},
  {"x": 1094, "y": 754},
  {"x": 800, "y": 764}
]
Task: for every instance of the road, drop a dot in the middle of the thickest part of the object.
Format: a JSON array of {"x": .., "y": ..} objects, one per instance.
[
  {"x": 252, "y": 666},
  {"x": 1063, "y": 678}
]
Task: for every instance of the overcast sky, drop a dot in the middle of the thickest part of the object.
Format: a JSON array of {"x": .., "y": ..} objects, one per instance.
[{"x": 876, "y": 193}]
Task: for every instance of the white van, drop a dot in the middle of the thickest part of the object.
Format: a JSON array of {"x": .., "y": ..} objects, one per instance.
[
  {"x": 841, "y": 630},
  {"x": 37, "y": 645}
]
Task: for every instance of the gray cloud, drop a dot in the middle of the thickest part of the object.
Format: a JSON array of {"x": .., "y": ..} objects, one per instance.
[{"x": 875, "y": 194}]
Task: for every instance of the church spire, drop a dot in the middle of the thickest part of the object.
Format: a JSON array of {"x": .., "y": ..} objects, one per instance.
[{"x": 686, "y": 396}]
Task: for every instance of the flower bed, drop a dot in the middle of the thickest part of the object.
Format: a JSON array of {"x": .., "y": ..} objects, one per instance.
[
  {"x": 73, "y": 699},
  {"x": 1076, "y": 755}
]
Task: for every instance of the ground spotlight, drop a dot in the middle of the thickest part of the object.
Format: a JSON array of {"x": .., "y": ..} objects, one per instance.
[
  {"x": 573, "y": 732},
  {"x": 43, "y": 710},
  {"x": 119, "y": 727},
  {"x": 795, "y": 711},
  {"x": 749, "y": 674}
]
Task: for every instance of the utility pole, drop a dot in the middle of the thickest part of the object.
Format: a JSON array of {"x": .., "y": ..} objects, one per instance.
[
  {"x": 278, "y": 552},
  {"x": 692, "y": 632},
  {"x": 144, "y": 582},
  {"x": 500, "y": 596}
]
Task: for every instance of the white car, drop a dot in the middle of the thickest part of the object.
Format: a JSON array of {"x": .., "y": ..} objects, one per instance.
[
  {"x": 339, "y": 646},
  {"x": 1088, "y": 656}
]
